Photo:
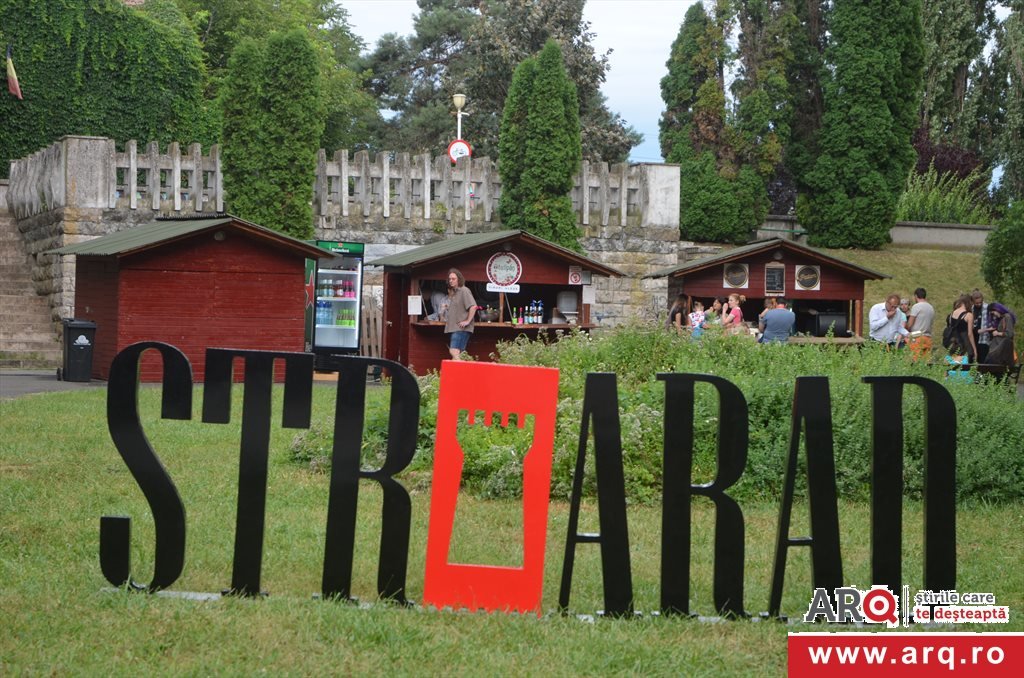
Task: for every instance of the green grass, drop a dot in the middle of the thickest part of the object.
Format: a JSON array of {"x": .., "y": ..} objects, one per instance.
[
  {"x": 944, "y": 274},
  {"x": 59, "y": 473}
]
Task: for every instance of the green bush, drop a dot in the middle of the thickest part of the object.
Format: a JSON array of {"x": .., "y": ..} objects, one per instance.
[
  {"x": 989, "y": 428},
  {"x": 944, "y": 199}
]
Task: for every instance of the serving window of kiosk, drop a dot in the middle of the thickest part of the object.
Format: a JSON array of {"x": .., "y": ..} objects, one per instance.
[
  {"x": 523, "y": 285},
  {"x": 533, "y": 305}
]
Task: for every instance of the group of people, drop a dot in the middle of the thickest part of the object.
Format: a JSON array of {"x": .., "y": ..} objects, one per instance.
[
  {"x": 775, "y": 322},
  {"x": 982, "y": 332}
]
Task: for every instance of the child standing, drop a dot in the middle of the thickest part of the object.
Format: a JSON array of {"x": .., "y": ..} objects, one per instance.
[{"x": 697, "y": 319}]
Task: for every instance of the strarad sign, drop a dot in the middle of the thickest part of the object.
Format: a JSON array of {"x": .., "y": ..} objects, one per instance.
[{"x": 498, "y": 391}]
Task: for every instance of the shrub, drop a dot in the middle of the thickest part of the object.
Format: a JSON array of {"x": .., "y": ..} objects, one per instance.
[
  {"x": 944, "y": 198},
  {"x": 989, "y": 466}
]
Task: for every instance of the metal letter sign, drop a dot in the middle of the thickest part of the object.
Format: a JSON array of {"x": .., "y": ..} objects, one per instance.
[
  {"x": 601, "y": 404},
  {"x": 887, "y": 483},
  {"x": 812, "y": 406},
  {"x": 255, "y": 443},
  {"x": 157, "y": 486},
  {"x": 675, "y": 517},
  {"x": 489, "y": 394},
  {"x": 403, "y": 423},
  {"x": 497, "y": 390}
]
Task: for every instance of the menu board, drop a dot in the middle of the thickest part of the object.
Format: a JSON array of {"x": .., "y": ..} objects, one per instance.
[{"x": 774, "y": 279}]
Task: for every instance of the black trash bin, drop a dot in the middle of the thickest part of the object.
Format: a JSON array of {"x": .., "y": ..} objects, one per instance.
[{"x": 79, "y": 337}]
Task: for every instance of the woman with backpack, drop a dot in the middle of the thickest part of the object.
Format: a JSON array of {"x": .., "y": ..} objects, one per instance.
[{"x": 957, "y": 336}]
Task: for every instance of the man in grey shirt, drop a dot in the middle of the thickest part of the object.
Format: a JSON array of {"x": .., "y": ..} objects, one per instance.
[
  {"x": 919, "y": 324},
  {"x": 777, "y": 324}
]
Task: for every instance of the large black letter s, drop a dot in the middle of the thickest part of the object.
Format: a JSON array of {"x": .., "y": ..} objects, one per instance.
[{"x": 149, "y": 473}]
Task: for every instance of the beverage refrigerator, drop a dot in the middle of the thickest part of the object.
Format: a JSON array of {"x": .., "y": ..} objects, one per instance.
[{"x": 334, "y": 320}]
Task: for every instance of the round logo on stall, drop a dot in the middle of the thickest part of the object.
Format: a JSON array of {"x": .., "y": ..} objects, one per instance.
[
  {"x": 736, "y": 275},
  {"x": 808, "y": 276},
  {"x": 504, "y": 268}
]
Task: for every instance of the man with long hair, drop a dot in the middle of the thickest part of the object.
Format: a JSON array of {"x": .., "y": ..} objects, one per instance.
[{"x": 461, "y": 314}]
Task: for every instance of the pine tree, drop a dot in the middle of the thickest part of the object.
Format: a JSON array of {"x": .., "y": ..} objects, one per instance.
[
  {"x": 871, "y": 107},
  {"x": 540, "y": 149}
]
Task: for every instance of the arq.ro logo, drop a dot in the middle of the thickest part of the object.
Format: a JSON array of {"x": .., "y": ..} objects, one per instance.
[{"x": 877, "y": 605}]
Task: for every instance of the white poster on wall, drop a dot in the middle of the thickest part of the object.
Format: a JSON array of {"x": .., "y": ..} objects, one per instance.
[
  {"x": 415, "y": 304},
  {"x": 589, "y": 294}
]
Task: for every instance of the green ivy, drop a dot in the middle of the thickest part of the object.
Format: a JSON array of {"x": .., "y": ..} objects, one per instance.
[{"x": 99, "y": 68}]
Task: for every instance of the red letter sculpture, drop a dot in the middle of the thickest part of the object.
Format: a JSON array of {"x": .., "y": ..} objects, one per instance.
[{"x": 496, "y": 390}]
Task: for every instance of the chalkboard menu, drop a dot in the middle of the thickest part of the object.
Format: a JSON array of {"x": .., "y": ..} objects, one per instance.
[{"x": 774, "y": 279}]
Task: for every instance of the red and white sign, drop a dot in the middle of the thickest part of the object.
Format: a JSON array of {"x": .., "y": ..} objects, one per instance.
[
  {"x": 459, "y": 149},
  {"x": 575, "y": 275},
  {"x": 504, "y": 269}
]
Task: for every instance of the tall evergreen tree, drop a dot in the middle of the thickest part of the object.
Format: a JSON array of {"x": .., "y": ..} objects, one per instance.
[
  {"x": 540, "y": 149},
  {"x": 804, "y": 75},
  {"x": 722, "y": 194},
  {"x": 679, "y": 86},
  {"x": 272, "y": 131},
  {"x": 760, "y": 89},
  {"x": 871, "y": 109},
  {"x": 222, "y": 24}
]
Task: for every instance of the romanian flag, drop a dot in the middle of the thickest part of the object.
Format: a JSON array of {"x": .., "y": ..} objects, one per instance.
[{"x": 12, "y": 77}]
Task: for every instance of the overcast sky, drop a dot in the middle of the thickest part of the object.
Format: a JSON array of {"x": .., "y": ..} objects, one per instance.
[{"x": 639, "y": 33}]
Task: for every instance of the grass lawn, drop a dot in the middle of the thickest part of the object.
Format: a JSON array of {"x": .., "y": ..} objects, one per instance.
[
  {"x": 59, "y": 472},
  {"x": 945, "y": 274}
]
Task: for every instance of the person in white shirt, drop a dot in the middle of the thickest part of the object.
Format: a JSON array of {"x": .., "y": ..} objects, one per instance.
[{"x": 885, "y": 322}]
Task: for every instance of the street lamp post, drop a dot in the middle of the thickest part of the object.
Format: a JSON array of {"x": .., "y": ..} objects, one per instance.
[{"x": 459, "y": 100}]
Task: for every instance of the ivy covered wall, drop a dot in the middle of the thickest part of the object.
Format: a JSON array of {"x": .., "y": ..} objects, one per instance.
[{"x": 96, "y": 67}]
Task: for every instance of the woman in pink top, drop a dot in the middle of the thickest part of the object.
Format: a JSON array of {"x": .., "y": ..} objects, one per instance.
[{"x": 732, "y": 315}]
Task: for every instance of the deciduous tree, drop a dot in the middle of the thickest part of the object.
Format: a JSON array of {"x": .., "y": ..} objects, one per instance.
[{"x": 474, "y": 48}]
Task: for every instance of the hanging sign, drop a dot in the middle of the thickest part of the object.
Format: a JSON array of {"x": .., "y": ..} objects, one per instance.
[
  {"x": 459, "y": 149},
  {"x": 504, "y": 269}
]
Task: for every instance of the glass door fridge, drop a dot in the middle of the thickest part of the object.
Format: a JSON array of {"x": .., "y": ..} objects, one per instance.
[{"x": 335, "y": 319}]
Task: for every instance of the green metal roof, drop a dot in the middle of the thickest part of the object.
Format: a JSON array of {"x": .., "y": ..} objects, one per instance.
[
  {"x": 470, "y": 241},
  {"x": 760, "y": 246},
  {"x": 146, "y": 236}
]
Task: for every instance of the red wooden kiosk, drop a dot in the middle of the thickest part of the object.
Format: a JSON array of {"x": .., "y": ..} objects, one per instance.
[
  {"x": 824, "y": 291},
  {"x": 195, "y": 284},
  {"x": 547, "y": 273}
]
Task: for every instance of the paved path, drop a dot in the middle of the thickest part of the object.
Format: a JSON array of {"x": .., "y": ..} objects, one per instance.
[{"x": 15, "y": 383}]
